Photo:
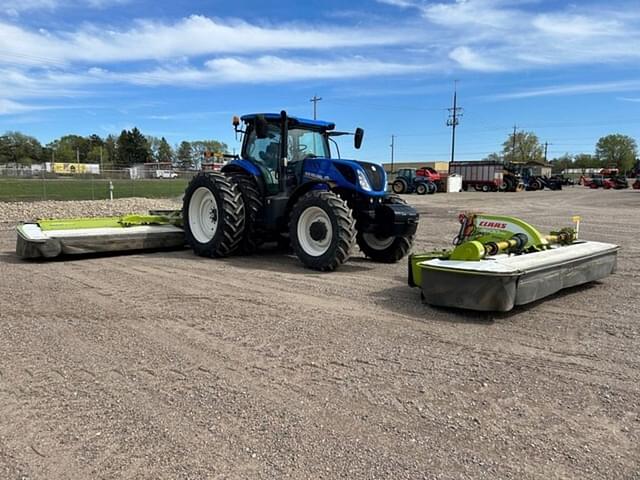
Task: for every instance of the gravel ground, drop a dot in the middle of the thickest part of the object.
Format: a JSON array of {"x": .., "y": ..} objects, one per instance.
[{"x": 166, "y": 365}]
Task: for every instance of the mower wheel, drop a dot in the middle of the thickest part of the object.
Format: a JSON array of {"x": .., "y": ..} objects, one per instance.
[
  {"x": 486, "y": 188},
  {"x": 322, "y": 230},
  {"x": 213, "y": 214}
]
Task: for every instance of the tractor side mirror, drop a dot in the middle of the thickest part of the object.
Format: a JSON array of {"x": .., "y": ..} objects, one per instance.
[
  {"x": 357, "y": 138},
  {"x": 235, "y": 122},
  {"x": 262, "y": 127}
]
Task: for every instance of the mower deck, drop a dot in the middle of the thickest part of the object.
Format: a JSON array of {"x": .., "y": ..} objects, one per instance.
[
  {"x": 503, "y": 281},
  {"x": 51, "y": 238}
]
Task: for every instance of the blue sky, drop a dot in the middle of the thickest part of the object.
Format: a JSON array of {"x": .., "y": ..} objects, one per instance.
[{"x": 568, "y": 71}]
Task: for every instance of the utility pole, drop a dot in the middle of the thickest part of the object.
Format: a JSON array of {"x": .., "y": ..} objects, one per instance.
[
  {"x": 315, "y": 101},
  {"x": 454, "y": 113},
  {"x": 393, "y": 144},
  {"x": 546, "y": 144}
]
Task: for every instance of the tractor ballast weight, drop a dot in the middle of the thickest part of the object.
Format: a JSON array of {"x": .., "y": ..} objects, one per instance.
[
  {"x": 285, "y": 186},
  {"x": 499, "y": 262}
]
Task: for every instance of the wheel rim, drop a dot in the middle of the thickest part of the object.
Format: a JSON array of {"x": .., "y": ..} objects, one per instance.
[
  {"x": 204, "y": 215},
  {"x": 314, "y": 231},
  {"x": 398, "y": 187},
  {"x": 421, "y": 189},
  {"x": 377, "y": 243}
]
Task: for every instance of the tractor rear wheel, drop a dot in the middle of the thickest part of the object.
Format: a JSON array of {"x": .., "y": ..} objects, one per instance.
[
  {"x": 213, "y": 215},
  {"x": 399, "y": 186},
  {"x": 322, "y": 230},
  {"x": 253, "y": 205},
  {"x": 385, "y": 249}
]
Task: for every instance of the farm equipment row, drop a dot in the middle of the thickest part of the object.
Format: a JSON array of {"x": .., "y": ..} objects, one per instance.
[{"x": 286, "y": 187}]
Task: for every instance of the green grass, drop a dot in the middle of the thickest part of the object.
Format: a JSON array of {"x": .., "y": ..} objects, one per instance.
[{"x": 19, "y": 189}]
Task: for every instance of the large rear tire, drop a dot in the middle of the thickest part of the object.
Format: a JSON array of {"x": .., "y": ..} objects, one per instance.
[
  {"x": 252, "y": 238},
  {"x": 322, "y": 230},
  {"x": 385, "y": 249},
  {"x": 213, "y": 213}
]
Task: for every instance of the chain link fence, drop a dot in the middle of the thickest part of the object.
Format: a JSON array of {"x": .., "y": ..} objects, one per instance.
[{"x": 18, "y": 184}]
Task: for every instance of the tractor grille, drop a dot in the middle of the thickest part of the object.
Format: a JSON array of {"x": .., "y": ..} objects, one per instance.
[{"x": 375, "y": 174}]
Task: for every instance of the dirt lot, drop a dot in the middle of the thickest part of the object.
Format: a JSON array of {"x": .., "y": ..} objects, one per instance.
[{"x": 166, "y": 365}]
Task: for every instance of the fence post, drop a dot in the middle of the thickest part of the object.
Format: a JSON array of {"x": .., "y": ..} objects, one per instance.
[
  {"x": 110, "y": 190},
  {"x": 44, "y": 186}
]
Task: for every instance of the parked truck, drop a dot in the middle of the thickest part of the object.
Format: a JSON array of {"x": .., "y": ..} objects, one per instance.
[{"x": 485, "y": 176}]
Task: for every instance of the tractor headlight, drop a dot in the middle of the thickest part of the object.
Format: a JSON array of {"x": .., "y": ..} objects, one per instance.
[{"x": 364, "y": 181}]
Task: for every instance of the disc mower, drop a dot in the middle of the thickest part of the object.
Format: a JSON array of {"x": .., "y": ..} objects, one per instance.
[{"x": 498, "y": 262}]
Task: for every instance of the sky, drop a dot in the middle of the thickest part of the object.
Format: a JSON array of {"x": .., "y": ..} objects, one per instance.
[{"x": 568, "y": 71}]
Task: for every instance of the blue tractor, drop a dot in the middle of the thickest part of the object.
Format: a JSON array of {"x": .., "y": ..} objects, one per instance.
[{"x": 286, "y": 185}]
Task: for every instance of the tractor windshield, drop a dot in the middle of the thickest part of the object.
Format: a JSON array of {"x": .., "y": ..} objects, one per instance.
[{"x": 307, "y": 144}]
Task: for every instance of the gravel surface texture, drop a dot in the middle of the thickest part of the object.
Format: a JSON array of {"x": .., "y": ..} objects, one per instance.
[{"x": 166, "y": 365}]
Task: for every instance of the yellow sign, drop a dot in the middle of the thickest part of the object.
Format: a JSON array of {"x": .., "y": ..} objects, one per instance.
[{"x": 73, "y": 168}]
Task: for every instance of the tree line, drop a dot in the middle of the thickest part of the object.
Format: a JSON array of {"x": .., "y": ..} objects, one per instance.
[
  {"x": 112, "y": 152},
  {"x": 525, "y": 147}
]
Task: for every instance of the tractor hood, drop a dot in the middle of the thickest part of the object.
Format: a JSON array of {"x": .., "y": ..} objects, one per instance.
[{"x": 369, "y": 178}]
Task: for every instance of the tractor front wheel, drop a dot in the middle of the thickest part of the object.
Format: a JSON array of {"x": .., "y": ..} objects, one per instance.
[
  {"x": 322, "y": 230},
  {"x": 213, "y": 215},
  {"x": 385, "y": 249}
]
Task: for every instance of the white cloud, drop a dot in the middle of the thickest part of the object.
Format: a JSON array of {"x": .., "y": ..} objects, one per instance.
[
  {"x": 192, "y": 36},
  {"x": 488, "y": 35},
  {"x": 14, "y": 8},
  {"x": 574, "y": 89},
  {"x": 398, "y": 3},
  {"x": 472, "y": 60},
  {"x": 10, "y": 107},
  {"x": 265, "y": 69},
  {"x": 629, "y": 99}
]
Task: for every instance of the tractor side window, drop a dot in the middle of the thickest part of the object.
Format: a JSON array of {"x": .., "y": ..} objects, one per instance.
[
  {"x": 265, "y": 151},
  {"x": 307, "y": 144}
]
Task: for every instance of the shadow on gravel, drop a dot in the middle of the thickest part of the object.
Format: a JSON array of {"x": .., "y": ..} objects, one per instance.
[
  {"x": 406, "y": 301},
  {"x": 14, "y": 259},
  {"x": 10, "y": 258},
  {"x": 285, "y": 261}
]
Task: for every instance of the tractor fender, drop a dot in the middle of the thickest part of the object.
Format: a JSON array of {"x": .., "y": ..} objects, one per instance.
[
  {"x": 247, "y": 168},
  {"x": 306, "y": 188}
]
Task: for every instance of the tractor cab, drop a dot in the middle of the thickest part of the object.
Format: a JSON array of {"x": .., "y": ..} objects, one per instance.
[{"x": 263, "y": 146}]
